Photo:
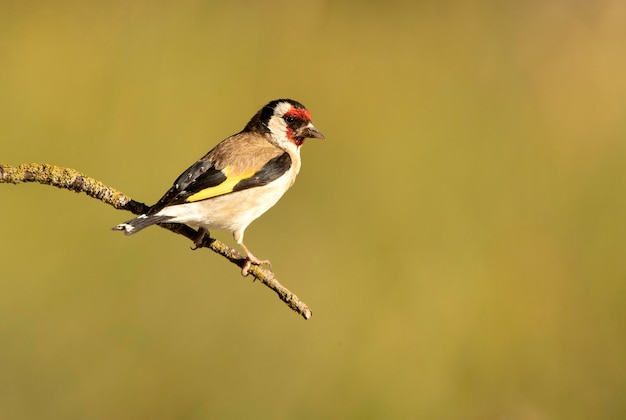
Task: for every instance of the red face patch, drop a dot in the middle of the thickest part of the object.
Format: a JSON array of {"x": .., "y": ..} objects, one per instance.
[
  {"x": 299, "y": 113},
  {"x": 296, "y": 141}
]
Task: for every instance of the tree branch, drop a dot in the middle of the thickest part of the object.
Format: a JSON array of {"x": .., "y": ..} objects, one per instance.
[{"x": 72, "y": 180}]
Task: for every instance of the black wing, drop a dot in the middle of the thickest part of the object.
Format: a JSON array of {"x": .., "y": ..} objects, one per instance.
[{"x": 203, "y": 181}]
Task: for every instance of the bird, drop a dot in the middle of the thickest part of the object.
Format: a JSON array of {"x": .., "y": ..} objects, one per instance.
[{"x": 238, "y": 180}]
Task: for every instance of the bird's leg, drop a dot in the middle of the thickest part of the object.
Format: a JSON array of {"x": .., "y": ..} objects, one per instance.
[
  {"x": 199, "y": 239},
  {"x": 251, "y": 259}
]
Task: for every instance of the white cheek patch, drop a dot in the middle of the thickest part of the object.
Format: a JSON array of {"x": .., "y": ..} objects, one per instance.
[{"x": 277, "y": 126}]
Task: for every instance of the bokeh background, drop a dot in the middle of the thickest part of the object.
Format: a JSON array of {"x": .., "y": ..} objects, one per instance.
[{"x": 459, "y": 236}]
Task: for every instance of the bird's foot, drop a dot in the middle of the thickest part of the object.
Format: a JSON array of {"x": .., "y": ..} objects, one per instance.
[
  {"x": 199, "y": 240},
  {"x": 251, "y": 259}
]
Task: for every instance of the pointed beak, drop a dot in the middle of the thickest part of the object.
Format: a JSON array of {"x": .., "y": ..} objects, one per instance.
[{"x": 309, "y": 131}]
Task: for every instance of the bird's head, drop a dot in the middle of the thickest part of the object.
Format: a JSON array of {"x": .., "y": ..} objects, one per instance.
[{"x": 287, "y": 122}]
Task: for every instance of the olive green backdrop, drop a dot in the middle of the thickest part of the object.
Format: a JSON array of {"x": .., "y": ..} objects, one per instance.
[{"x": 459, "y": 236}]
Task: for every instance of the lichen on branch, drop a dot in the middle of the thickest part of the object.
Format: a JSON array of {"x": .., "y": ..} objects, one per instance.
[{"x": 70, "y": 179}]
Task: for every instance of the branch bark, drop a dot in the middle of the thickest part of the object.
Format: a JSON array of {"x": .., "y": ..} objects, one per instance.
[{"x": 73, "y": 180}]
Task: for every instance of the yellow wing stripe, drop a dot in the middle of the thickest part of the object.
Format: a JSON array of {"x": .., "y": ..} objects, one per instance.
[{"x": 221, "y": 189}]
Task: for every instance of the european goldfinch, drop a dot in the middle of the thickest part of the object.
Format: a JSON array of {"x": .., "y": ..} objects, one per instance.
[{"x": 239, "y": 179}]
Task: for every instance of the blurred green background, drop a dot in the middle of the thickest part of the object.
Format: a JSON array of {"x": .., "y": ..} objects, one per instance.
[{"x": 459, "y": 236}]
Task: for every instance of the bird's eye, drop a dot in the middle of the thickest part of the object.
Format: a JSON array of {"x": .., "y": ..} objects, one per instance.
[{"x": 289, "y": 119}]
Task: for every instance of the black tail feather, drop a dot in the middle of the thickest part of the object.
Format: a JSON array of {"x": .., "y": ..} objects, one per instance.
[{"x": 138, "y": 223}]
